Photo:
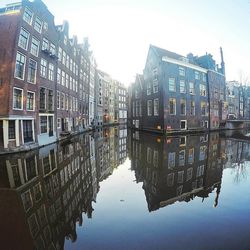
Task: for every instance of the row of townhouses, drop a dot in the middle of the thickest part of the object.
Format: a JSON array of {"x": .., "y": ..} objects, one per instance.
[
  {"x": 49, "y": 83},
  {"x": 177, "y": 93},
  {"x": 53, "y": 188}
]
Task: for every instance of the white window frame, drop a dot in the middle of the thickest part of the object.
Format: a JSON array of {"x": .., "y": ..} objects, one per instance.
[
  {"x": 39, "y": 22},
  {"x": 30, "y": 14},
  {"x": 171, "y": 84},
  {"x": 24, "y": 65},
  {"x": 34, "y": 94},
  {"x": 149, "y": 107},
  {"x": 28, "y": 80},
  {"x": 156, "y": 108},
  {"x": 38, "y": 45},
  {"x": 27, "y": 38},
  {"x": 14, "y": 99}
]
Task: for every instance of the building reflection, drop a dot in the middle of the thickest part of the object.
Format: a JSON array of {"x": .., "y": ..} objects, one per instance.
[
  {"x": 45, "y": 193},
  {"x": 181, "y": 168}
]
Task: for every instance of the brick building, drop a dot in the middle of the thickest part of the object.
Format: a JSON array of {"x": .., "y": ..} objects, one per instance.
[{"x": 178, "y": 93}]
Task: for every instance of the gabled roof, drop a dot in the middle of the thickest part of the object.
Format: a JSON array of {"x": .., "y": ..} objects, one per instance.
[{"x": 162, "y": 52}]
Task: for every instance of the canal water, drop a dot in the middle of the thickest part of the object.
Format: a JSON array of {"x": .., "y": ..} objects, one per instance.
[{"x": 122, "y": 189}]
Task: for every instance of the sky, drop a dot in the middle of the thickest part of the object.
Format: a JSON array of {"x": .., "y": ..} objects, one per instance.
[{"x": 120, "y": 31}]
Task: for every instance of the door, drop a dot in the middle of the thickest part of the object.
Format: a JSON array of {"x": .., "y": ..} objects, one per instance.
[
  {"x": 62, "y": 123},
  {"x": 27, "y": 131},
  {"x": 1, "y": 133},
  {"x": 183, "y": 124},
  {"x": 51, "y": 127}
]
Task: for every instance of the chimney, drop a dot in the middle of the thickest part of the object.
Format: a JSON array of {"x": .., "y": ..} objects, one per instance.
[{"x": 222, "y": 62}]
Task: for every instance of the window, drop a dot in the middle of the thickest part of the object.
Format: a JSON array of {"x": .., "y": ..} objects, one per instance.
[
  {"x": 200, "y": 171},
  {"x": 27, "y": 16},
  {"x": 58, "y": 123},
  {"x": 45, "y": 26},
  {"x": 192, "y": 108},
  {"x": 149, "y": 154},
  {"x": 156, "y": 107},
  {"x": 171, "y": 84},
  {"x": 20, "y": 66},
  {"x": 136, "y": 108},
  {"x": 51, "y": 101},
  {"x": 63, "y": 57},
  {"x": 12, "y": 130},
  {"x": 66, "y": 102},
  {"x": 63, "y": 78},
  {"x": 51, "y": 72},
  {"x": 204, "y": 77},
  {"x": 203, "y": 91},
  {"x": 180, "y": 176},
  {"x": 67, "y": 81},
  {"x": 17, "y": 98},
  {"x": 45, "y": 45},
  {"x": 34, "y": 48},
  {"x": 170, "y": 180},
  {"x": 62, "y": 100},
  {"x": 191, "y": 155},
  {"x": 23, "y": 39},
  {"x": 32, "y": 71},
  {"x": 182, "y": 158},
  {"x": 189, "y": 174},
  {"x": 172, "y": 106},
  {"x": 197, "y": 75},
  {"x": 191, "y": 88},
  {"x": 42, "y": 98},
  {"x": 67, "y": 61},
  {"x": 38, "y": 25},
  {"x": 183, "y": 106},
  {"x": 182, "y": 86},
  {"x": 43, "y": 124},
  {"x": 203, "y": 151},
  {"x": 203, "y": 108},
  {"x": 30, "y": 101},
  {"x": 60, "y": 54},
  {"x": 171, "y": 160},
  {"x": 181, "y": 71},
  {"x": 52, "y": 49},
  {"x": 155, "y": 86},
  {"x": 58, "y": 100},
  {"x": 149, "y": 88},
  {"x": 43, "y": 69},
  {"x": 59, "y": 76},
  {"x": 149, "y": 107}
]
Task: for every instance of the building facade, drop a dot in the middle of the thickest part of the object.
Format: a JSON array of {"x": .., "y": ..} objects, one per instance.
[
  {"x": 175, "y": 93},
  {"x": 48, "y": 86}
]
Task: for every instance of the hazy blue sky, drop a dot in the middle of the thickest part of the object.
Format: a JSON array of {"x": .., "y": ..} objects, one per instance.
[{"x": 120, "y": 31}]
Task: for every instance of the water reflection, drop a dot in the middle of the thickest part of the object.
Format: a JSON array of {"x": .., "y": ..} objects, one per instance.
[
  {"x": 44, "y": 193},
  {"x": 181, "y": 168}
]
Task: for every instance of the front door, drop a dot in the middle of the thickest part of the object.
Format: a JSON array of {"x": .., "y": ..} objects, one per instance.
[
  {"x": 1, "y": 133},
  {"x": 27, "y": 131},
  {"x": 51, "y": 127},
  {"x": 62, "y": 123}
]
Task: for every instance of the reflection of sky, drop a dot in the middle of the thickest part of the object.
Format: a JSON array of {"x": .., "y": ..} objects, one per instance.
[
  {"x": 121, "y": 30},
  {"x": 121, "y": 219}
]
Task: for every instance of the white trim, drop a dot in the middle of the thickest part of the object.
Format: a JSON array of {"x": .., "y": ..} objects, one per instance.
[
  {"x": 13, "y": 99},
  {"x": 34, "y": 101},
  {"x": 185, "y": 124},
  {"x": 24, "y": 67},
  {"x": 184, "y": 64}
]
